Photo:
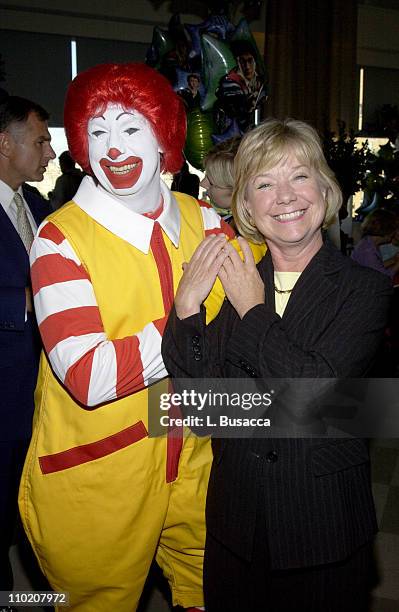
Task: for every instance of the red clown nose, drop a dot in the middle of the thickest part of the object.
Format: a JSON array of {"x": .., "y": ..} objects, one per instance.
[{"x": 113, "y": 153}]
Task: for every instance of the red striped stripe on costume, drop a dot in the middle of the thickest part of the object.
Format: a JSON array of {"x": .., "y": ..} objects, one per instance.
[
  {"x": 93, "y": 368},
  {"x": 213, "y": 224}
]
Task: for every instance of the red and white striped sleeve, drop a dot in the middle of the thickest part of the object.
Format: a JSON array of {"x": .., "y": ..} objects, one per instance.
[
  {"x": 213, "y": 224},
  {"x": 93, "y": 368}
]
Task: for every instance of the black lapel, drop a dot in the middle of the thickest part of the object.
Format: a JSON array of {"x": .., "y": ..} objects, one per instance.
[
  {"x": 13, "y": 244},
  {"x": 315, "y": 284},
  {"x": 266, "y": 271}
]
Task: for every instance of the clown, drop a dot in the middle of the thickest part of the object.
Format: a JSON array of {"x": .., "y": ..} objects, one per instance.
[{"x": 100, "y": 499}]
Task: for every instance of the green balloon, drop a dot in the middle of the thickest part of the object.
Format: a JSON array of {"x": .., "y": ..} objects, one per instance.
[
  {"x": 199, "y": 137},
  {"x": 162, "y": 43},
  {"x": 217, "y": 60}
]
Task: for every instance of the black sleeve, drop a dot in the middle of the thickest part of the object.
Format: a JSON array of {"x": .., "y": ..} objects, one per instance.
[
  {"x": 345, "y": 348},
  {"x": 183, "y": 345}
]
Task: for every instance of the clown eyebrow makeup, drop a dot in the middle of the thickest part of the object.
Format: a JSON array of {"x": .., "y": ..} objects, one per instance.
[
  {"x": 124, "y": 113},
  {"x": 118, "y": 117}
]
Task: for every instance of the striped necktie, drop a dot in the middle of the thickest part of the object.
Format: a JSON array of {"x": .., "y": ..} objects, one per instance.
[{"x": 23, "y": 226}]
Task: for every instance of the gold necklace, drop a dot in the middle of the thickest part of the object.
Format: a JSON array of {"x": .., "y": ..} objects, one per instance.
[{"x": 282, "y": 291}]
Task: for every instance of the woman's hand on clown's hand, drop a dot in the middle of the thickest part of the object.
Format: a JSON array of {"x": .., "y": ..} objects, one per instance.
[
  {"x": 241, "y": 280},
  {"x": 199, "y": 275}
]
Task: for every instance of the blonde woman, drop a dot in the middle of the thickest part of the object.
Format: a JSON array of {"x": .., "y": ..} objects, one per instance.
[{"x": 290, "y": 521}]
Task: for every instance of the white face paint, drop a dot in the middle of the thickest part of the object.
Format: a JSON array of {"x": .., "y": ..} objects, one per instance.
[{"x": 124, "y": 154}]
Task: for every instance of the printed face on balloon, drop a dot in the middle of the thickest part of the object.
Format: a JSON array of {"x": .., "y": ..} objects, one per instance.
[{"x": 123, "y": 151}]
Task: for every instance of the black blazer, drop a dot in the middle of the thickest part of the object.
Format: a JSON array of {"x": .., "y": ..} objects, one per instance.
[
  {"x": 320, "y": 506},
  {"x": 19, "y": 339}
]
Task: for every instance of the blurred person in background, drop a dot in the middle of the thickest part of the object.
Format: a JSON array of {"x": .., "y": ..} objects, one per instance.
[
  {"x": 219, "y": 176},
  {"x": 378, "y": 249},
  {"x": 377, "y": 229},
  {"x": 67, "y": 184}
]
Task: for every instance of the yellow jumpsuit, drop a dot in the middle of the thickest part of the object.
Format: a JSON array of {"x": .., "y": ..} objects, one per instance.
[{"x": 99, "y": 498}]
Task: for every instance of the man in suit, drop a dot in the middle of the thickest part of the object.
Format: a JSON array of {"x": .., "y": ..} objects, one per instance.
[{"x": 25, "y": 151}]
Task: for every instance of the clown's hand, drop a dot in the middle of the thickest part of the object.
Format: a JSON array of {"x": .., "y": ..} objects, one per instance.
[{"x": 199, "y": 275}]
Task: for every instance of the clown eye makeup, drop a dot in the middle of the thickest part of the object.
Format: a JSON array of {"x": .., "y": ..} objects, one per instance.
[{"x": 123, "y": 162}]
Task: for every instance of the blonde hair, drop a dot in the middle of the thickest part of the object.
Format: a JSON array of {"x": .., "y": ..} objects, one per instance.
[
  {"x": 219, "y": 163},
  {"x": 263, "y": 148}
]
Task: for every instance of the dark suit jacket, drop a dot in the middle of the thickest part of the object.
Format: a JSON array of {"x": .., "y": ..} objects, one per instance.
[
  {"x": 19, "y": 340},
  {"x": 319, "y": 504}
]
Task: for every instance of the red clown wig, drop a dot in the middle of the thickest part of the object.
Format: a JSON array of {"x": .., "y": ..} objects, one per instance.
[{"x": 131, "y": 85}]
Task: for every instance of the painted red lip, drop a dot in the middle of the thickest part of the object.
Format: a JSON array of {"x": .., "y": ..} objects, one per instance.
[{"x": 127, "y": 179}]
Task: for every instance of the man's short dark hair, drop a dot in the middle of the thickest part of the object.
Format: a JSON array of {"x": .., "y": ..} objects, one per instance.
[
  {"x": 17, "y": 110},
  {"x": 241, "y": 47}
]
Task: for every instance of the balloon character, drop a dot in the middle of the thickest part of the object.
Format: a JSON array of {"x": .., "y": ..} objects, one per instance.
[{"x": 219, "y": 73}]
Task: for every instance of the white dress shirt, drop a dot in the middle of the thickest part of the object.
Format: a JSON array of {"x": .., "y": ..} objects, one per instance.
[{"x": 10, "y": 208}]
